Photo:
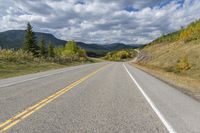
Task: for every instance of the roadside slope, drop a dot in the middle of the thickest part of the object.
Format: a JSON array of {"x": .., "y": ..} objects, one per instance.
[{"x": 175, "y": 59}]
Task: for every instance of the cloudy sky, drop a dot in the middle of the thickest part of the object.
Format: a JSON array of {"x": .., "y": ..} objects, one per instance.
[{"x": 100, "y": 21}]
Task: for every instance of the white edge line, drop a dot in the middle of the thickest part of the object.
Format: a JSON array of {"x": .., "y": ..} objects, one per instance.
[
  {"x": 34, "y": 78},
  {"x": 153, "y": 106},
  {"x": 38, "y": 77}
]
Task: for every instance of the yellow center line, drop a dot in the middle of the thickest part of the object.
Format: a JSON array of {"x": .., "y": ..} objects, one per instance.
[{"x": 27, "y": 112}]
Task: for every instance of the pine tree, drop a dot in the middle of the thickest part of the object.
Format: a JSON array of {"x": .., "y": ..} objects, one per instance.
[
  {"x": 50, "y": 50},
  {"x": 42, "y": 47},
  {"x": 30, "y": 41}
]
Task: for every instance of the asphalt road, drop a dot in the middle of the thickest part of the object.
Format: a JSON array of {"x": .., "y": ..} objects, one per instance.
[{"x": 95, "y": 98}]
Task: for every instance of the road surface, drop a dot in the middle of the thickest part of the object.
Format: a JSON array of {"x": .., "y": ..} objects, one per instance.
[{"x": 95, "y": 98}]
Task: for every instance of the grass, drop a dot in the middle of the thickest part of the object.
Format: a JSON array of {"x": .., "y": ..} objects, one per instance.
[
  {"x": 175, "y": 58},
  {"x": 12, "y": 69},
  {"x": 167, "y": 56},
  {"x": 15, "y": 63},
  {"x": 178, "y": 63}
]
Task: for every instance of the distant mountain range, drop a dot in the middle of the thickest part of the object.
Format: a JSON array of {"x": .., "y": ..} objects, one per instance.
[{"x": 14, "y": 39}]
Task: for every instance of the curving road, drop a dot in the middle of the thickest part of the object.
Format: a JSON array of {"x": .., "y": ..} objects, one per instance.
[{"x": 95, "y": 98}]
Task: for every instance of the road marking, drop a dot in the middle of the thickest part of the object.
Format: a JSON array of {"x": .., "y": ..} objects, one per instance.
[
  {"x": 38, "y": 77},
  {"x": 27, "y": 112},
  {"x": 153, "y": 106}
]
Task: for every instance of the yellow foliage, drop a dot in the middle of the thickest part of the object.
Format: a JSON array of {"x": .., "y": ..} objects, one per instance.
[
  {"x": 183, "y": 64},
  {"x": 19, "y": 55},
  {"x": 191, "y": 32},
  {"x": 120, "y": 55}
]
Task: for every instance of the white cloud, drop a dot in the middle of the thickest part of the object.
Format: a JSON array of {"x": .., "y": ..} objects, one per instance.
[{"x": 100, "y": 21}]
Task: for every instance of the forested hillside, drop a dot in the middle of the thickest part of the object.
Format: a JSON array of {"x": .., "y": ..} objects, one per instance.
[{"x": 191, "y": 32}]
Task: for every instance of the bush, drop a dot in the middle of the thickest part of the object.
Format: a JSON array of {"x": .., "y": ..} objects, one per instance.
[
  {"x": 183, "y": 64},
  {"x": 19, "y": 55},
  {"x": 64, "y": 55},
  {"x": 72, "y": 52}
]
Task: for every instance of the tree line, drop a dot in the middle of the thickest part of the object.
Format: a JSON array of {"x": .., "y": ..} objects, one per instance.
[
  {"x": 69, "y": 52},
  {"x": 39, "y": 52}
]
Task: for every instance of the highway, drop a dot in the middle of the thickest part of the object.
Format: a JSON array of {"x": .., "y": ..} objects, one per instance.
[{"x": 104, "y": 97}]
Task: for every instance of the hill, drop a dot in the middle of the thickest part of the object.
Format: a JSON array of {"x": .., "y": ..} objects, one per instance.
[
  {"x": 176, "y": 56},
  {"x": 168, "y": 50},
  {"x": 190, "y": 33},
  {"x": 14, "y": 39},
  {"x": 107, "y": 47}
]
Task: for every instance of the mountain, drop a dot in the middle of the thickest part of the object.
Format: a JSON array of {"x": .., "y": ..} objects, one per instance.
[
  {"x": 106, "y": 47},
  {"x": 14, "y": 39}
]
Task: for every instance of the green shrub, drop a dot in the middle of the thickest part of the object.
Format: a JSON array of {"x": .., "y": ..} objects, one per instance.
[{"x": 71, "y": 52}]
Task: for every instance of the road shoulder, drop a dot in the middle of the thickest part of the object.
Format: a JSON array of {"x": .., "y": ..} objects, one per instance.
[{"x": 186, "y": 85}]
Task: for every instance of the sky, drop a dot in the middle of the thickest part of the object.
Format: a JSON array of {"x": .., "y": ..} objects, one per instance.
[{"x": 100, "y": 21}]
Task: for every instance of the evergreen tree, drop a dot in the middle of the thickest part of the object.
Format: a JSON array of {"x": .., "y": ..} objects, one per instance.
[
  {"x": 42, "y": 47},
  {"x": 30, "y": 41},
  {"x": 50, "y": 50}
]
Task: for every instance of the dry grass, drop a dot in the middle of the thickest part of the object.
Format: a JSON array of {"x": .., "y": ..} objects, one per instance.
[
  {"x": 15, "y": 63},
  {"x": 166, "y": 55},
  {"x": 161, "y": 60}
]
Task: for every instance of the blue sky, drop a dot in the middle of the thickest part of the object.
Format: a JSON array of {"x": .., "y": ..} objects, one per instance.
[{"x": 100, "y": 21}]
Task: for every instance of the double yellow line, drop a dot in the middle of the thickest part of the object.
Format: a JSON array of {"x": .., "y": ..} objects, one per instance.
[{"x": 27, "y": 112}]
